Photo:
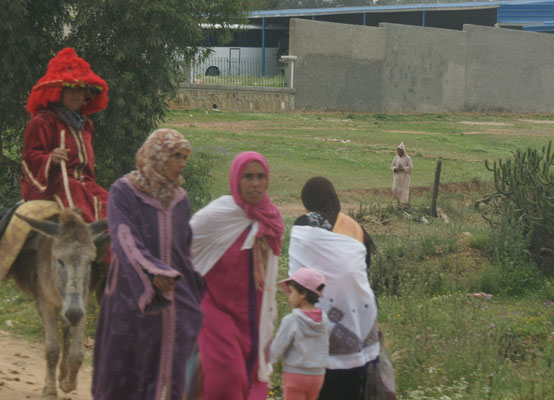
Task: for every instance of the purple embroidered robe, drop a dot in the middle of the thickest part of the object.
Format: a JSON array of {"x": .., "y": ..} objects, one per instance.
[{"x": 144, "y": 336}]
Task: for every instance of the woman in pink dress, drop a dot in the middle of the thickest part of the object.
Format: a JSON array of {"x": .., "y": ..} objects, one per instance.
[{"x": 236, "y": 244}]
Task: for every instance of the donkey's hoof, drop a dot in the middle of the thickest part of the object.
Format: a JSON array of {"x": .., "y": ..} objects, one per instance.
[
  {"x": 49, "y": 394},
  {"x": 68, "y": 386},
  {"x": 62, "y": 374}
]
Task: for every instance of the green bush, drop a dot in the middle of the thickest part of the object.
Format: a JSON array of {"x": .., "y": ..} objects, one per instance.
[
  {"x": 510, "y": 279},
  {"x": 511, "y": 270},
  {"x": 423, "y": 264},
  {"x": 10, "y": 192},
  {"x": 388, "y": 267},
  {"x": 198, "y": 178},
  {"x": 509, "y": 240},
  {"x": 480, "y": 241}
]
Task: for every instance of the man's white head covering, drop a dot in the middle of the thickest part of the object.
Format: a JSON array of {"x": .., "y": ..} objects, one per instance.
[{"x": 401, "y": 146}]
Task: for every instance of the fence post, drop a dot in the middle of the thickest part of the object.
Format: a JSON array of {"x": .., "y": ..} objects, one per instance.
[
  {"x": 263, "y": 46},
  {"x": 436, "y": 189},
  {"x": 291, "y": 60}
]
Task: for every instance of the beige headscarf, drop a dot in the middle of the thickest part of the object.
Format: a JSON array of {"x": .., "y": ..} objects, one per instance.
[{"x": 152, "y": 161}]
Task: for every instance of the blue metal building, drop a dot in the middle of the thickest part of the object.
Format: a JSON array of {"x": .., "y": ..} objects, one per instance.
[
  {"x": 443, "y": 15},
  {"x": 529, "y": 15},
  {"x": 520, "y": 13},
  {"x": 536, "y": 16},
  {"x": 439, "y": 15}
]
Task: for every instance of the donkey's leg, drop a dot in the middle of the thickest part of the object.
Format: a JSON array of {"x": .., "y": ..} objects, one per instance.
[
  {"x": 76, "y": 356},
  {"x": 64, "y": 364},
  {"x": 49, "y": 321}
]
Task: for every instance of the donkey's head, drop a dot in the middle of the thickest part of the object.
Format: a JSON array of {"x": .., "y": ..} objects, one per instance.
[{"x": 75, "y": 246}]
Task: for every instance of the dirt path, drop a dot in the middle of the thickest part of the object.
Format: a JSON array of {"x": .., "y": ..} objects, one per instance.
[{"x": 22, "y": 371}]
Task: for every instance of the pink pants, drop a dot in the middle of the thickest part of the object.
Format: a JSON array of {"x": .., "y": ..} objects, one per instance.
[{"x": 301, "y": 387}]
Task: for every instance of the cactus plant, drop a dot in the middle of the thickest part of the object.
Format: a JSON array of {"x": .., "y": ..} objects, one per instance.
[{"x": 525, "y": 188}]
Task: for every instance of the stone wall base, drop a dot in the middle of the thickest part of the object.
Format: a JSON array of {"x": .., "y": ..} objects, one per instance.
[{"x": 234, "y": 98}]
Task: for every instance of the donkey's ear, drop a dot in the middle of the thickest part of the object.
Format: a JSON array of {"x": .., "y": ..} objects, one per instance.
[
  {"x": 49, "y": 228},
  {"x": 102, "y": 244},
  {"x": 98, "y": 227}
]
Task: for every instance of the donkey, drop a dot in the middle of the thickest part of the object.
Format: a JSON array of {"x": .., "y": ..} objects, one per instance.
[{"x": 55, "y": 271}]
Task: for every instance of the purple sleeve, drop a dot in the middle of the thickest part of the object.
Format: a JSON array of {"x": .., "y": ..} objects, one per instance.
[{"x": 134, "y": 257}]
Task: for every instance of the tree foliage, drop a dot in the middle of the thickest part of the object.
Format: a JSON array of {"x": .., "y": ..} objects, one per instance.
[
  {"x": 138, "y": 47},
  {"x": 30, "y": 32}
]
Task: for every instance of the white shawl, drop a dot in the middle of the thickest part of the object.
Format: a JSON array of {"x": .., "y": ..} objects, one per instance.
[
  {"x": 347, "y": 298},
  {"x": 215, "y": 228}
]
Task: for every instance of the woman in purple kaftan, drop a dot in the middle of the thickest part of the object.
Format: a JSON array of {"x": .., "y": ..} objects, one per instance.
[{"x": 150, "y": 314}]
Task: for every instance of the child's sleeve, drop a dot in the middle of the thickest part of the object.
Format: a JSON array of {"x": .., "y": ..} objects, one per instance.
[{"x": 283, "y": 338}]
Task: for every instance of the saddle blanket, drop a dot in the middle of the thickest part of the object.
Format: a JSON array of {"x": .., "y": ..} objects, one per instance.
[{"x": 17, "y": 231}]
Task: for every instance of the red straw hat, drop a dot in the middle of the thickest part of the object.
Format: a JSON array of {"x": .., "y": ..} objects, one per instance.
[{"x": 68, "y": 70}]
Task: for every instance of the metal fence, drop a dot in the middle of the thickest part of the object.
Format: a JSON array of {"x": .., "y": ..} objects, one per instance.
[{"x": 238, "y": 71}]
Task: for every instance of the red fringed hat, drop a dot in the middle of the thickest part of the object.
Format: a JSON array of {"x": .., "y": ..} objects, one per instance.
[{"x": 68, "y": 70}]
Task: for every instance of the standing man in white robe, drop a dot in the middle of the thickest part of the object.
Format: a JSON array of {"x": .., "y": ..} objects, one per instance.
[{"x": 402, "y": 168}]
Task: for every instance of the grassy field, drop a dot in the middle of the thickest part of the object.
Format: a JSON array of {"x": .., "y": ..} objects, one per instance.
[
  {"x": 445, "y": 342},
  {"x": 355, "y": 150}
]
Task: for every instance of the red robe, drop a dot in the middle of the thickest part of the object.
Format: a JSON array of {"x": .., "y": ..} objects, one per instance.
[{"x": 42, "y": 180}]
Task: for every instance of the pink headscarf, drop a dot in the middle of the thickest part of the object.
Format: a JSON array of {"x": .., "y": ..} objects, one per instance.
[{"x": 268, "y": 216}]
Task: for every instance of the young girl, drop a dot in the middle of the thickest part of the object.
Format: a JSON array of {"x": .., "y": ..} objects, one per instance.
[{"x": 303, "y": 337}]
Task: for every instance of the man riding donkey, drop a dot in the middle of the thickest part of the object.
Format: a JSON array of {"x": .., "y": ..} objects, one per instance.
[
  {"x": 65, "y": 208},
  {"x": 58, "y": 157}
]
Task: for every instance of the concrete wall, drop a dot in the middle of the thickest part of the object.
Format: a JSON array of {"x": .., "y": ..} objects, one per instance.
[
  {"x": 339, "y": 66},
  {"x": 509, "y": 70},
  {"x": 234, "y": 98},
  {"x": 400, "y": 68},
  {"x": 424, "y": 69}
]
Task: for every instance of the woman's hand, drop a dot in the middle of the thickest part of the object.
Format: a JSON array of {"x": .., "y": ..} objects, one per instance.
[
  {"x": 164, "y": 283},
  {"x": 59, "y": 155}
]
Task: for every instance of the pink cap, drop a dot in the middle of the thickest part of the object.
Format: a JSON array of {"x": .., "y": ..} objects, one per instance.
[{"x": 307, "y": 277}]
